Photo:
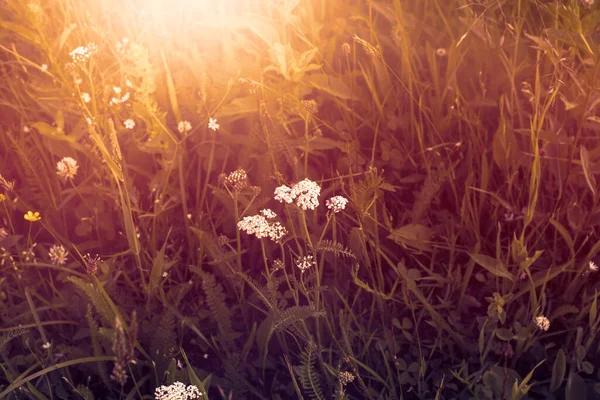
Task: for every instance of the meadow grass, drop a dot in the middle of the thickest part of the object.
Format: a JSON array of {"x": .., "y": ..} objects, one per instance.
[{"x": 304, "y": 199}]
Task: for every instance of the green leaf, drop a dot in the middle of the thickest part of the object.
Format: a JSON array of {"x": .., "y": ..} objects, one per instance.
[
  {"x": 504, "y": 334},
  {"x": 414, "y": 235},
  {"x": 575, "y": 389},
  {"x": 587, "y": 173},
  {"x": 159, "y": 266},
  {"x": 194, "y": 380},
  {"x": 558, "y": 370},
  {"x": 492, "y": 265},
  {"x": 593, "y": 312},
  {"x": 64, "y": 36},
  {"x": 332, "y": 85}
]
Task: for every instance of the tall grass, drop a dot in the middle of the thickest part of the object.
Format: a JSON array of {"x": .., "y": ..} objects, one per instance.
[{"x": 299, "y": 198}]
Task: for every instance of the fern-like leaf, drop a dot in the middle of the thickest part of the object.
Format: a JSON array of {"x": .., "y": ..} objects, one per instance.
[
  {"x": 308, "y": 376},
  {"x": 215, "y": 299},
  {"x": 96, "y": 298},
  {"x": 334, "y": 247}
]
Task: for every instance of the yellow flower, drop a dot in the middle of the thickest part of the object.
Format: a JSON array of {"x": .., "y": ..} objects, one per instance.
[
  {"x": 2, "y": 197},
  {"x": 32, "y": 216}
]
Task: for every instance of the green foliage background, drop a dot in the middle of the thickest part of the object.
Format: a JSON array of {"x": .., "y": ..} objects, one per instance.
[{"x": 463, "y": 133}]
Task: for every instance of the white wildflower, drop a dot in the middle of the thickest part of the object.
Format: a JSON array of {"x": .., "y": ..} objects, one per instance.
[
  {"x": 44, "y": 67},
  {"x": 543, "y": 323},
  {"x": 129, "y": 123},
  {"x": 67, "y": 168},
  {"x": 212, "y": 124},
  {"x": 305, "y": 262},
  {"x": 177, "y": 391},
  {"x": 58, "y": 254},
  {"x": 268, "y": 214},
  {"x": 592, "y": 266},
  {"x": 121, "y": 45},
  {"x": 86, "y": 97},
  {"x": 284, "y": 193},
  {"x": 259, "y": 226},
  {"x": 26, "y": 129},
  {"x": 307, "y": 194},
  {"x": 3, "y": 233},
  {"x": 184, "y": 127},
  {"x": 81, "y": 54},
  {"x": 117, "y": 89},
  {"x": 336, "y": 203}
]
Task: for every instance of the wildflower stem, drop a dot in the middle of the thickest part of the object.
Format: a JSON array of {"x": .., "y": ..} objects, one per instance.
[
  {"x": 305, "y": 228},
  {"x": 209, "y": 168},
  {"x": 265, "y": 258},
  {"x": 238, "y": 240}
]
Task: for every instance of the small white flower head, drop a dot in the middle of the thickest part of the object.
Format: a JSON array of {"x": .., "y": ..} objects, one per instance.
[
  {"x": 129, "y": 123},
  {"x": 268, "y": 214},
  {"x": 543, "y": 323},
  {"x": 212, "y": 124},
  {"x": 237, "y": 180},
  {"x": 29, "y": 254},
  {"x": 177, "y": 391},
  {"x": 85, "y": 96},
  {"x": 26, "y": 129},
  {"x": 81, "y": 54},
  {"x": 305, "y": 262},
  {"x": 260, "y": 227},
  {"x": 184, "y": 127},
  {"x": 128, "y": 83},
  {"x": 121, "y": 45},
  {"x": 336, "y": 203},
  {"x": 44, "y": 67},
  {"x": 345, "y": 378},
  {"x": 58, "y": 254},
  {"x": 117, "y": 89},
  {"x": 67, "y": 168},
  {"x": 592, "y": 266},
  {"x": 3, "y": 233},
  {"x": 284, "y": 194},
  {"x": 441, "y": 52},
  {"x": 306, "y": 193},
  {"x": 46, "y": 345}
]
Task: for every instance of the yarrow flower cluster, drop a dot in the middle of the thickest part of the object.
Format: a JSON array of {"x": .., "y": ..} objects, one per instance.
[
  {"x": 336, "y": 203},
  {"x": 261, "y": 227},
  {"x": 177, "y": 391},
  {"x": 83, "y": 53},
  {"x": 121, "y": 99},
  {"x": 305, "y": 262},
  {"x": 238, "y": 179},
  {"x": 129, "y": 123},
  {"x": 184, "y": 127},
  {"x": 306, "y": 193},
  {"x": 58, "y": 254},
  {"x": 67, "y": 168},
  {"x": 212, "y": 124},
  {"x": 543, "y": 323}
]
